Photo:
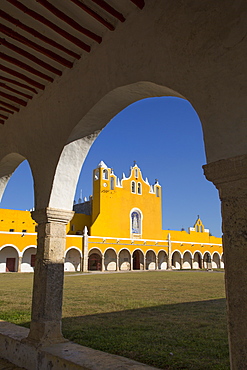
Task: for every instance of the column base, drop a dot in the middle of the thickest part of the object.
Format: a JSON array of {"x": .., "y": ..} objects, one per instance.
[{"x": 44, "y": 333}]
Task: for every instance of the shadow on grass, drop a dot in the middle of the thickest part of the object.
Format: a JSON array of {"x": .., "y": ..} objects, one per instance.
[{"x": 177, "y": 336}]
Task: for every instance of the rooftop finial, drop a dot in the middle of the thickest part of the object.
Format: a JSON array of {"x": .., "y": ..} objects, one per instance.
[{"x": 134, "y": 163}]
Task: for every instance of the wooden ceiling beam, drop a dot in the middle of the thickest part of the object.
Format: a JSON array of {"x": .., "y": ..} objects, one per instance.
[
  {"x": 17, "y": 83},
  {"x": 139, "y": 3},
  {"x": 94, "y": 14},
  {"x": 109, "y": 9},
  {"x": 13, "y": 98},
  {"x": 31, "y": 57},
  {"x": 26, "y": 67},
  {"x": 3, "y": 116},
  {"x": 23, "y": 77},
  {"x": 16, "y": 36},
  {"x": 12, "y": 107},
  {"x": 51, "y": 25},
  {"x": 6, "y": 110},
  {"x": 4, "y": 86},
  {"x": 38, "y": 35},
  {"x": 65, "y": 18}
]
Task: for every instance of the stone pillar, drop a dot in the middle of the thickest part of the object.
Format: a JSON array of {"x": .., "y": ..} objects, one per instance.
[
  {"x": 181, "y": 263},
  {"x": 169, "y": 262},
  {"x": 85, "y": 250},
  {"x": 145, "y": 263},
  {"x": 131, "y": 263},
  {"x": 19, "y": 264},
  {"x": 117, "y": 263},
  {"x": 48, "y": 276},
  {"x": 103, "y": 263},
  {"x": 157, "y": 263},
  {"x": 230, "y": 178},
  {"x": 192, "y": 262}
]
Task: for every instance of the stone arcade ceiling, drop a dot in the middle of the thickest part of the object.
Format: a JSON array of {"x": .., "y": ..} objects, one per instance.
[{"x": 40, "y": 38}]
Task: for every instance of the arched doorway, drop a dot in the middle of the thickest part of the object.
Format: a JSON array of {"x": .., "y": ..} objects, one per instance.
[
  {"x": 216, "y": 261},
  {"x": 176, "y": 260},
  {"x": 207, "y": 261},
  {"x": 28, "y": 259},
  {"x": 124, "y": 260},
  {"x": 9, "y": 259},
  {"x": 197, "y": 262},
  {"x": 187, "y": 260},
  {"x": 150, "y": 260},
  {"x": 162, "y": 260},
  {"x": 138, "y": 260},
  {"x": 95, "y": 260},
  {"x": 72, "y": 260},
  {"x": 110, "y": 260}
]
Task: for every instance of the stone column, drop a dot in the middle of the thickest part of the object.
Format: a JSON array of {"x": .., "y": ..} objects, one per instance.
[
  {"x": 181, "y": 263},
  {"x": 117, "y": 263},
  {"x": 230, "y": 178},
  {"x": 19, "y": 264},
  {"x": 156, "y": 263},
  {"x": 48, "y": 276},
  {"x": 85, "y": 250},
  {"x": 145, "y": 263},
  {"x": 169, "y": 262},
  {"x": 103, "y": 263}
]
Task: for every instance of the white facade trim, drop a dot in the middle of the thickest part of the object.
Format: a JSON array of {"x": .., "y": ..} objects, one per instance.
[
  {"x": 11, "y": 246},
  {"x": 195, "y": 243},
  {"x": 90, "y": 250},
  {"x": 110, "y": 249},
  {"x": 150, "y": 250},
  {"x": 124, "y": 249},
  {"x": 26, "y": 248},
  {"x": 67, "y": 250},
  {"x": 176, "y": 250},
  {"x": 197, "y": 252}
]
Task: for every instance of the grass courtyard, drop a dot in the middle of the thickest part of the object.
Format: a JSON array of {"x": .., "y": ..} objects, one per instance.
[{"x": 171, "y": 320}]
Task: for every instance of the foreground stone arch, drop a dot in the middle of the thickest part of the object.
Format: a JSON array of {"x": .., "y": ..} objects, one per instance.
[{"x": 197, "y": 61}]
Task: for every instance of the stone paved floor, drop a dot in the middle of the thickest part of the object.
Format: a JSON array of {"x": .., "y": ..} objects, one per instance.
[{"x": 6, "y": 365}]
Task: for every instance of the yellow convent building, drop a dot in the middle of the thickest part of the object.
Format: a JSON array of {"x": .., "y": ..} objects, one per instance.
[{"x": 118, "y": 228}]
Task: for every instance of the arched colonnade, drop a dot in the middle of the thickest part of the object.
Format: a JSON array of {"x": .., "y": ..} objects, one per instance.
[{"x": 125, "y": 260}]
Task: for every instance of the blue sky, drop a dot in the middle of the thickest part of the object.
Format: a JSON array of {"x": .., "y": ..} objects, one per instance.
[{"x": 164, "y": 137}]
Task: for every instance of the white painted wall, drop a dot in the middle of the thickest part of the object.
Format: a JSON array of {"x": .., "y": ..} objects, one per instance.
[
  {"x": 72, "y": 260},
  {"x": 26, "y": 260}
]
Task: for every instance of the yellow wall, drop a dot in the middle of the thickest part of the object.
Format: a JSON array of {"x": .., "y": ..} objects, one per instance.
[{"x": 112, "y": 208}]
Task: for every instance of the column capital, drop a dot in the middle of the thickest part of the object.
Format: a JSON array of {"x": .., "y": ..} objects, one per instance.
[
  {"x": 226, "y": 170},
  {"x": 56, "y": 215}
]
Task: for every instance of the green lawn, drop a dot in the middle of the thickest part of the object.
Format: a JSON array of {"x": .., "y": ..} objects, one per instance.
[{"x": 171, "y": 320}]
